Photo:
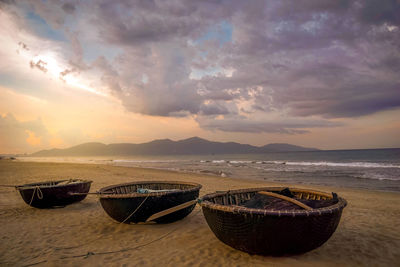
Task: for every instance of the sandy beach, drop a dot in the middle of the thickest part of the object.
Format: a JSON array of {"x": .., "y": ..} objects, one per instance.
[{"x": 82, "y": 234}]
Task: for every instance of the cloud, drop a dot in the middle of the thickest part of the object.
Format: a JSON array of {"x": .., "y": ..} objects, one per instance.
[
  {"x": 77, "y": 49},
  {"x": 68, "y": 8},
  {"x": 51, "y": 11},
  {"x": 356, "y": 100},
  {"x": 214, "y": 108},
  {"x": 153, "y": 21},
  {"x": 23, "y": 46},
  {"x": 40, "y": 65},
  {"x": 21, "y": 136},
  {"x": 317, "y": 59},
  {"x": 245, "y": 125},
  {"x": 65, "y": 73},
  {"x": 378, "y": 12},
  {"x": 27, "y": 136}
]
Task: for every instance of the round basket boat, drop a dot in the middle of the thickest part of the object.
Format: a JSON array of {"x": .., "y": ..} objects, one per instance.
[
  {"x": 270, "y": 231},
  {"x": 138, "y": 201},
  {"x": 54, "y": 193}
]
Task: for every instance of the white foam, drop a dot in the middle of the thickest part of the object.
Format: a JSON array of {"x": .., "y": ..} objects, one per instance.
[
  {"x": 377, "y": 176},
  {"x": 240, "y": 161},
  {"x": 140, "y": 161},
  {"x": 342, "y": 164}
]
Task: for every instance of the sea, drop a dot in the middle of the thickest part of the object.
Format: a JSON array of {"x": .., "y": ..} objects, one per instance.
[{"x": 374, "y": 169}]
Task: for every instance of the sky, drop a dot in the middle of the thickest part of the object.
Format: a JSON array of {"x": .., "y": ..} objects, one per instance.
[{"x": 316, "y": 73}]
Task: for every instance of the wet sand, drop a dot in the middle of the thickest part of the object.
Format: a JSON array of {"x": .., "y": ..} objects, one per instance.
[{"x": 82, "y": 234}]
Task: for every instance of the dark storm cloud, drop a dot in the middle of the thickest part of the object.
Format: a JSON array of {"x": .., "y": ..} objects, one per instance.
[
  {"x": 321, "y": 58},
  {"x": 138, "y": 22},
  {"x": 243, "y": 124},
  {"x": 214, "y": 108},
  {"x": 363, "y": 100},
  {"x": 68, "y": 8},
  {"x": 308, "y": 58},
  {"x": 389, "y": 63},
  {"x": 377, "y": 12},
  {"x": 6, "y": 2}
]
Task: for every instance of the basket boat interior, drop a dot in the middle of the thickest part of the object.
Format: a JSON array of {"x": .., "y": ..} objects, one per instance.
[
  {"x": 54, "y": 183},
  {"x": 150, "y": 187},
  {"x": 252, "y": 199}
]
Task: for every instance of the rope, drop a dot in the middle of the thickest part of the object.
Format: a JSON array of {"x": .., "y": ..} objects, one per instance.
[
  {"x": 130, "y": 215},
  {"x": 38, "y": 192},
  {"x": 82, "y": 244},
  {"x": 135, "y": 209},
  {"x": 36, "y": 263},
  {"x": 91, "y": 253}
]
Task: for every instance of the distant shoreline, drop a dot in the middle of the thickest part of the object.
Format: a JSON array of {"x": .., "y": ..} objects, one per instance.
[
  {"x": 8, "y": 155},
  {"x": 375, "y": 170}
]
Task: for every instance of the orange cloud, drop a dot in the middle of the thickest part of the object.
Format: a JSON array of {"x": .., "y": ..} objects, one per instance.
[{"x": 32, "y": 139}]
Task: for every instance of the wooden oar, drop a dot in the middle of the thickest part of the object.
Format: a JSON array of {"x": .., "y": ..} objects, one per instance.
[
  {"x": 294, "y": 201},
  {"x": 171, "y": 210}
]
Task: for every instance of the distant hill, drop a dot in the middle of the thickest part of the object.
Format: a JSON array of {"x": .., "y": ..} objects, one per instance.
[{"x": 191, "y": 146}]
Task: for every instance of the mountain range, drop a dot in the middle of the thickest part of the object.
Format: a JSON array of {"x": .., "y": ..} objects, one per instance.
[{"x": 190, "y": 146}]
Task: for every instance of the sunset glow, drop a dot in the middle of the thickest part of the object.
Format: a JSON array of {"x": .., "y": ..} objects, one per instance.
[{"x": 251, "y": 73}]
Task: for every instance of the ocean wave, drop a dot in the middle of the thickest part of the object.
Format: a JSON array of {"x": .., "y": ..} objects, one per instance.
[
  {"x": 218, "y": 161},
  {"x": 342, "y": 164},
  {"x": 241, "y": 161},
  {"x": 307, "y": 163},
  {"x": 141, "y": 161},
  {"x": 376, "y": 176}
]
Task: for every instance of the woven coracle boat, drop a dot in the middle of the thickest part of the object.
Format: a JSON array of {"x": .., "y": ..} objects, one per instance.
[
  {"x": 138, "y": 201},
  {"x": 257, "y": 222},
  {"x": 54, "y": 193}
]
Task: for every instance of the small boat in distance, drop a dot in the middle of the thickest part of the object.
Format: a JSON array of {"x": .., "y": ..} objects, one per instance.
[
  {"x": 158, "y": 201},
  {"x": 54, "y": 193},
  {"x": 272, "y": 220}
]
